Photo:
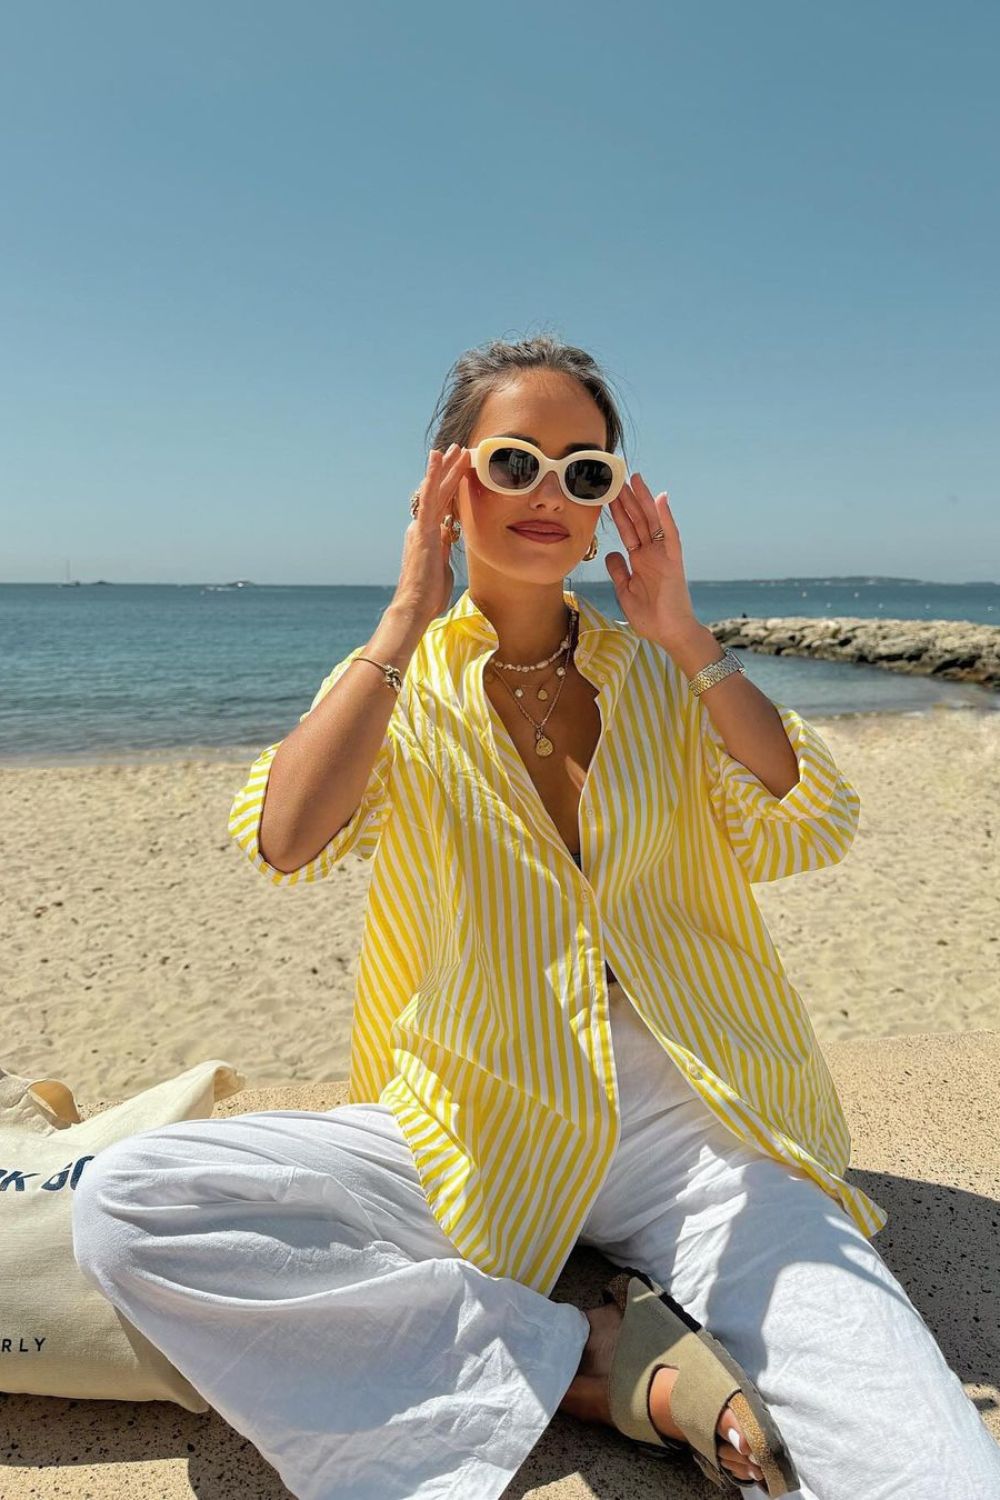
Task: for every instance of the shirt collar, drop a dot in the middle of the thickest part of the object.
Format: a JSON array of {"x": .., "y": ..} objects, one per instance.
[{"x": 465, "y": 616}]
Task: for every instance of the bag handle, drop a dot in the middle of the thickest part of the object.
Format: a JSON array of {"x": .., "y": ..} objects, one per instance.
[
  {"x": 54, "y": 1099},
  {"x": 59, "y": 1098}
]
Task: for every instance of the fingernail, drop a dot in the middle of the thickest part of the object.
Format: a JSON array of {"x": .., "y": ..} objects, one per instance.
[{"x": 736, "y": 1440}]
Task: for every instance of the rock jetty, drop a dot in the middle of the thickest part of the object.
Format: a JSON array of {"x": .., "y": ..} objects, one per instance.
[{"x": 956, "y": 649}]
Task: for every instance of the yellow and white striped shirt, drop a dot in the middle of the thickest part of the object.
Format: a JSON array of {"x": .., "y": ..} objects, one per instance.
[{"x": 481, "y": 1007}]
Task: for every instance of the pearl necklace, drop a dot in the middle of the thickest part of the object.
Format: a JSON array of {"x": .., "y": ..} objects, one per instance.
[{"x": 543, "y": 745}]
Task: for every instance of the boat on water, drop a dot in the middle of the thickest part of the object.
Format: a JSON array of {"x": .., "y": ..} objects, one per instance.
[{"x": 74, "y": 583}]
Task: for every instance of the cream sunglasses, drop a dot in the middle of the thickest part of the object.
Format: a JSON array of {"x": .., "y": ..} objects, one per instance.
[{"x": 510, "y": 466}]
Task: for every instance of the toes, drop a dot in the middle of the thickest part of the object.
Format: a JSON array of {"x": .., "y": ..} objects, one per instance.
[
  {"x": 741, "y": 1469},
  {"x": 734, "y": 1450},
  {"x": 737, "y": 1462},
  {"x": 729, "y": 1429}
]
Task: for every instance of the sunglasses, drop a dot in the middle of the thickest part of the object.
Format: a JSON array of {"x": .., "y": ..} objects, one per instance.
[{"x": 510, "y": 466}]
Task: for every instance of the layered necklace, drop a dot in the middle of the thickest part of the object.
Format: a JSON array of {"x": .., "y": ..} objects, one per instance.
[{"x": 543, "y": 745}]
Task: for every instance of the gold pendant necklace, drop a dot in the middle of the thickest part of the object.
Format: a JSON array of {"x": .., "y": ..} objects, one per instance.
[{"x": 543, "y": 745}]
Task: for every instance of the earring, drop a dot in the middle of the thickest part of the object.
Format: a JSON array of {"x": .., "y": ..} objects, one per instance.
[{"x": 591, "y": 551}]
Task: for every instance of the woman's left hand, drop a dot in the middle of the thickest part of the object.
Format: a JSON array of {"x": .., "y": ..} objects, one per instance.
[{"x": 654, "y": 596}]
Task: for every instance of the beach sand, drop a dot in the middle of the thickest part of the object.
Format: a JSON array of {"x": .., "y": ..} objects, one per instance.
[{"x": 138, "y": 940}]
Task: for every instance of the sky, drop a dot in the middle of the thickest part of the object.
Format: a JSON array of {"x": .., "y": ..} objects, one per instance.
[{"x": 243, "y": 244}]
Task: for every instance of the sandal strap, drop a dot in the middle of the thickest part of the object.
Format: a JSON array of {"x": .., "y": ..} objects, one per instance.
[
  {"x": 701, "y": 1393},
  {"x": 650, "y": 1336}
]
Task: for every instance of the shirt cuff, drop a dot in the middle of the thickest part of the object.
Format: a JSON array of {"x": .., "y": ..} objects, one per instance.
[
  {"x": 360, "y": 835},
  {"x": 812, "y": 795}
]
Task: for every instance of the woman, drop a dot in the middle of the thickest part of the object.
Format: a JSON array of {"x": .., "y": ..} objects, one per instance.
[{"x": 364, "y": 1292}]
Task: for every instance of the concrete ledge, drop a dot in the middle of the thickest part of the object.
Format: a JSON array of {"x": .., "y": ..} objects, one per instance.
[{"x": 923, "y": 1112}]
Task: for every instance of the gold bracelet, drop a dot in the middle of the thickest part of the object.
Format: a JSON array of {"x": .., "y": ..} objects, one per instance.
[
  {"x": 390, "y": 672},
  {"x": 728, "y": 663}
]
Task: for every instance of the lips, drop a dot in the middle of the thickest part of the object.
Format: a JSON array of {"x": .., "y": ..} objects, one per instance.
[{"x": 553, "y": 533}]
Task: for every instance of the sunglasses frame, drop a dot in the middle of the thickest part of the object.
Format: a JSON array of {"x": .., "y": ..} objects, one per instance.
[{"x": 484, "y": 451}]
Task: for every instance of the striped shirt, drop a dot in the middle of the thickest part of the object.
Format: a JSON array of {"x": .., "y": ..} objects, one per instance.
[
  {"x": 481, "y": 1013},
  {"x": 608, "y": 974}
]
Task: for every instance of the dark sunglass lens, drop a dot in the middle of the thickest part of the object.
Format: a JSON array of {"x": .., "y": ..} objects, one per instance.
[
  {"x": 513, "y": 468},
  {"x": 588, "y": 478}
]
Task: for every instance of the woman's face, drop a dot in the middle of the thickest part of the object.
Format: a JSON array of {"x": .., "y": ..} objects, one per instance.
[{"x": 555, "y": 412}]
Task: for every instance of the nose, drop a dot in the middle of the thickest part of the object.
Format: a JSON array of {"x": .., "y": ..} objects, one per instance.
[{"x": 550, "y": 490}]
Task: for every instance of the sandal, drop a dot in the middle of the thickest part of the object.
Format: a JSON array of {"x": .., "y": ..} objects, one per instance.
[{"x": 657, "y": 1331}]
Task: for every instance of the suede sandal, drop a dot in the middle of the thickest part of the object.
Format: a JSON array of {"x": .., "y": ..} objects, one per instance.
[{"x": 657, "y": 1331}]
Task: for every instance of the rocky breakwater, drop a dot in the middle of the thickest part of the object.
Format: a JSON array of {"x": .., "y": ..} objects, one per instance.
[{"x": 955, "y": 649}]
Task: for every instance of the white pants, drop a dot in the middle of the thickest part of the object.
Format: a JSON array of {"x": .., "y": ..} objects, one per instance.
[{"x": 288, "y": 1265}]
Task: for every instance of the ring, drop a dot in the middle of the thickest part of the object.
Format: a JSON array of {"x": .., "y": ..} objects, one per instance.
[{"x": 654, "y": 536}]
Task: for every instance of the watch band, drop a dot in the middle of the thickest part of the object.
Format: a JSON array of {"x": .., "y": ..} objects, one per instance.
[{"x": 728, "y": 663}]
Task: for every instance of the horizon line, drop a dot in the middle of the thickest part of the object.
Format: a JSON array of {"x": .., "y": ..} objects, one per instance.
[{"x": 829, "y": 578}]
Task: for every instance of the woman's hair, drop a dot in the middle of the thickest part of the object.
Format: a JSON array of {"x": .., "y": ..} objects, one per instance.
[{"x": 480, "y": 371}]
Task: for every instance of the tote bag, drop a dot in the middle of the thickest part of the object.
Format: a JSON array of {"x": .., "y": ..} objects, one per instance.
[{"x": 59, "y": 1335}]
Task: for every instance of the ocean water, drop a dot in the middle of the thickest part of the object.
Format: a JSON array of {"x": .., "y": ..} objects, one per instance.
[{"x": 132, "y": 672}]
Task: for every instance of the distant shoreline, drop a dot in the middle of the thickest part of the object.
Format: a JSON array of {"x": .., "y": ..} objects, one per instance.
[{"x": 865, "y": 580}]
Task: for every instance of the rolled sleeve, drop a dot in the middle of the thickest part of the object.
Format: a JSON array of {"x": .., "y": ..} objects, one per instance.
[
  {"x": 811, "y": 826},
  {"x": 359, "y": 836}
]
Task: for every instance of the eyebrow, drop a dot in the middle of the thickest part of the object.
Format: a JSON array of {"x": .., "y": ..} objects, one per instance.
[{"x": 569, "y": 448}]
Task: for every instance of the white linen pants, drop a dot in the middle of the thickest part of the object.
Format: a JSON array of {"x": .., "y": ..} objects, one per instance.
[{"x": 287, "y": 1263}]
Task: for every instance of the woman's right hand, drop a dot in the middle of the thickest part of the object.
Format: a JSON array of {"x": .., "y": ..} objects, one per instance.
[{"x": 426, "y": 579}]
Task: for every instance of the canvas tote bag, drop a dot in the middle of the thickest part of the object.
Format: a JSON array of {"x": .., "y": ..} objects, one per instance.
[{"x": 59, "y": 1335}]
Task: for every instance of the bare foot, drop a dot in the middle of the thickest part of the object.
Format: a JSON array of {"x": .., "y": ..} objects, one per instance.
[{"x": 587, "y": 1396}]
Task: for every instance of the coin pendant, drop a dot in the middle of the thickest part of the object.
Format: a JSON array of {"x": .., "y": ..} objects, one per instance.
[
  {"x": 543, "y": 745},
  {"x": 542, "y": 694}
]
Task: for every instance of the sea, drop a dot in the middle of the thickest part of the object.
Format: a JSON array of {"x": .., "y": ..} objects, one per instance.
[{"x": 130, "y": 673}]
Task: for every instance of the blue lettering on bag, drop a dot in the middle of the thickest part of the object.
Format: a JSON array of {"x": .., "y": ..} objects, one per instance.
[{"x": 16, "y": 1178}]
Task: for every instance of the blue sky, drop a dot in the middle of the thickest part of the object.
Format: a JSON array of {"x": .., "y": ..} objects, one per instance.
[{"x": 243, "y": 244}]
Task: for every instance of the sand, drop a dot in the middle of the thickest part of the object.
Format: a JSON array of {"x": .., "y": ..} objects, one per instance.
[
  {"x": 937, "y": 1172},
  {"x": 137, "y": 939}
]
